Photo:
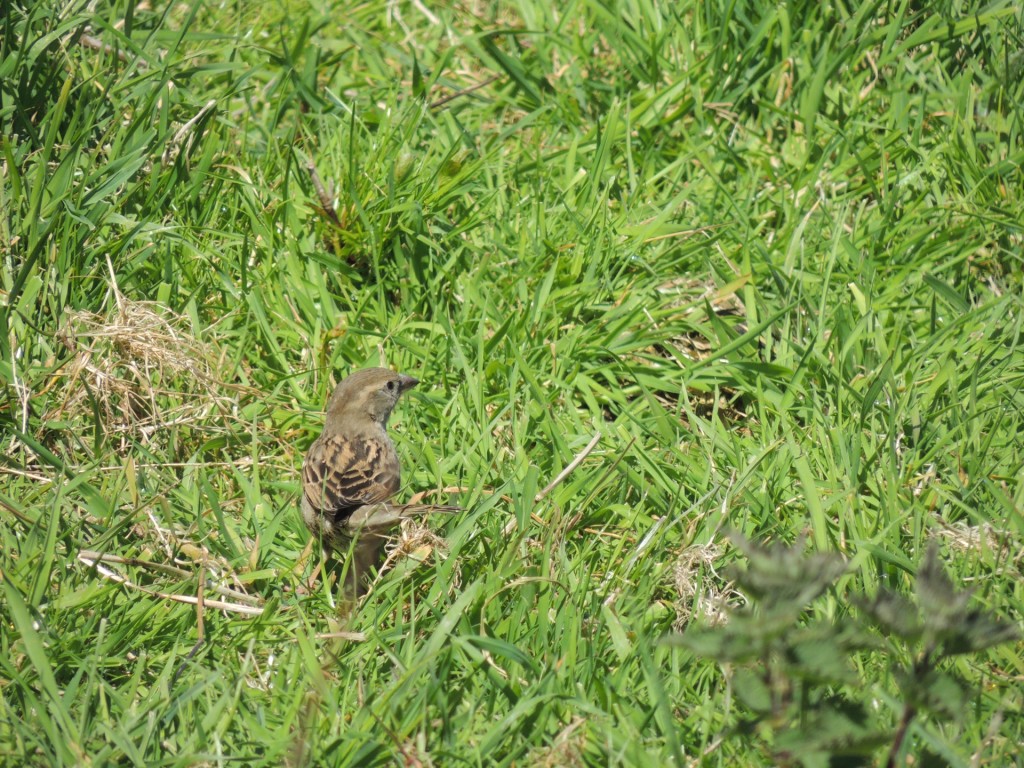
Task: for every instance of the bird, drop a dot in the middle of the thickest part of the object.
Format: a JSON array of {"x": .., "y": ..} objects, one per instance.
[{"x": 352, "y": 471}]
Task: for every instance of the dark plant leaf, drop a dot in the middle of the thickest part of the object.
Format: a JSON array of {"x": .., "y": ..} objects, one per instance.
[
  {"x": 943, "y": 607},
  {"x": 837, "y": 728},
  {"x": 977, "y": 631},
  {"x": 934, "y": 691},
  {"x": 728, "y": 643},
  {"x": 752, "y": 689},
  {"x": 894, "y": 614},
  {"x": 949, "y": 622},
  {"x": 820, "y": 660},
  {"x": 778, "y": 574}
]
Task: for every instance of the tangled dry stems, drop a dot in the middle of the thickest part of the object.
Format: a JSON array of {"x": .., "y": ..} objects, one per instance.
[
  {"x": 705, "y": 597},
  {"x": 141, "y": 369}
]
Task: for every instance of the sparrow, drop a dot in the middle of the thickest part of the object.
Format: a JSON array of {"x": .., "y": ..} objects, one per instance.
[{"x": 352, "y": 470}]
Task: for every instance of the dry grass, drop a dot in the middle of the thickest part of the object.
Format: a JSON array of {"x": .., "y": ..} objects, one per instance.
[
  {"x": 700, "y": 592},
  {"x": 568, "y": 750},
  {"x": 415, "y": 545},
  {"x": 138, "y": 369}
]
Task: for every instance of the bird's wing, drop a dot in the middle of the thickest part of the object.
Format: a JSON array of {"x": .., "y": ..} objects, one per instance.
[{"x": 341, "y": 474}]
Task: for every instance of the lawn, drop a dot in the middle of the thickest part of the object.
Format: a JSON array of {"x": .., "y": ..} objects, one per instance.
[{"x": 717, "y": 310}]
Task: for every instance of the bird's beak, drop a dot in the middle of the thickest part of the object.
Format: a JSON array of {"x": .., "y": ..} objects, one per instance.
[{"x": 405, "y": 383}]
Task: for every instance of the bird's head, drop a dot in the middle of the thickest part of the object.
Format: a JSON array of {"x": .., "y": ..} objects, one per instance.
[{"x": 367, "y": 396}]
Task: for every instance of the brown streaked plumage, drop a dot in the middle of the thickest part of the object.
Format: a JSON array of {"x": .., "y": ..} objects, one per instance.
[{"x": 352, "y": 470}]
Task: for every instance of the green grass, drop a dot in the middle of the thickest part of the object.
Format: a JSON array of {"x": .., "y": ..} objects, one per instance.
[{"x": 553, "y": 255}]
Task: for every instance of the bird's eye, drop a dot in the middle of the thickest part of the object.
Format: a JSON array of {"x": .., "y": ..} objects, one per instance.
[{"x": 391, "y": 386}]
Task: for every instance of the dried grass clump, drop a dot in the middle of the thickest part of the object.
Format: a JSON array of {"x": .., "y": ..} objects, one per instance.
[
  {"x": 706, "y": 598},
  {"x": 567, "y": 750},
  {"x": 961, "y": 536},
  {"x": 417, "y": 543},
  {"x": 138, "y": 369}
]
